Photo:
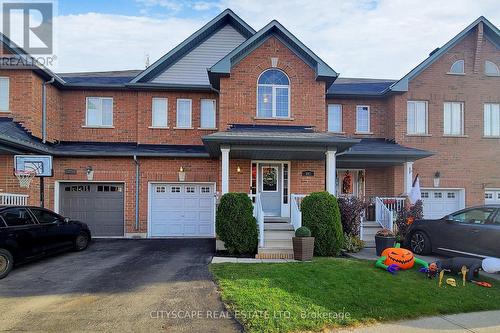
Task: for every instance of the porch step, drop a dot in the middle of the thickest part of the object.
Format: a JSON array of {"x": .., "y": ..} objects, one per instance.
[
  {"x": 277, "y": 219},
  {"x": 278, "y": 234},
  {"x": 278, "y": 226},
  {"x": 370, "y": 228},
  {"x": 371, "y": 224},
  {"x": 274, "y": 253}
]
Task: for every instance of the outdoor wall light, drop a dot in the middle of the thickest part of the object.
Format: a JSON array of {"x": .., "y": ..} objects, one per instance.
[
  {"x": 181, "y": 174},
  {"x": 238, "y": 169},
  {"x": 90, "y": 173},
  {"x": 437, "y": 177}
]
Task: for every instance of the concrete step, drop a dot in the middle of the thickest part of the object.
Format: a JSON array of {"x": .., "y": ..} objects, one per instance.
[
  {"x": 274, "y": 253},
  {"x": 370, "y": 224},
  {"x": 276, "y": 219},
  {"x": 277, "y": 226},
  {"x": 278, "y": 234},
  {"x": 278, "y": 243}
]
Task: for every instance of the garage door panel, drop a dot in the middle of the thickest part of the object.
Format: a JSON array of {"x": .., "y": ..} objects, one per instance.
[{"x": 437, "y": 203}]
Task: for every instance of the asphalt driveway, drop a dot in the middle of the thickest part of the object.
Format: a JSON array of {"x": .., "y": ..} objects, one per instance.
[{"x": 117, "y": 285}]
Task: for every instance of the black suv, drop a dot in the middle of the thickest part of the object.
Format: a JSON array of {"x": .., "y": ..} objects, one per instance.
[{"x": 27, "y": 233}]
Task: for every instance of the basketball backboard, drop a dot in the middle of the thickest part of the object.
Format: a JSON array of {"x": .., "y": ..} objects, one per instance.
[{"x": 40, "y": 164}]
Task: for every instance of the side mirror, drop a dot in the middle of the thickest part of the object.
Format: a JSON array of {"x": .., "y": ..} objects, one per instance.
[
  {"x": 66, "y": 220},
  {"x": 448, "y": 218}
]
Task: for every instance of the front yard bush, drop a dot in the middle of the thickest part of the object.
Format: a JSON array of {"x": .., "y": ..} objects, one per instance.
[
  {"x": 235, "y": 224},
  {"x": 351, "y": 209},
  {"x": 320, "y": 213}
]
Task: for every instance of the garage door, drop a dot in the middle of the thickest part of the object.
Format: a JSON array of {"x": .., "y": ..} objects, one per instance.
[
  {"x": 97, "y": 204},
  {"x": 440, "y": 202},
  {"x": 182, "y": 210},
  {"x": 492, "y": 197}
]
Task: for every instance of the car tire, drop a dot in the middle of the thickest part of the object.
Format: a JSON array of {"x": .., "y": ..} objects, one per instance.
[
  {"x": 81, "y": 241},
  {"x": 6, "y": 263},
  {"x": 420, "y": 243}
]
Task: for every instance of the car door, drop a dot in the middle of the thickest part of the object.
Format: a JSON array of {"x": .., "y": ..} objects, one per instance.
[
  {"x": 56, "y": 233},
  {"x": 24, "y": 232},
  {"x": 490, "y": 236}
]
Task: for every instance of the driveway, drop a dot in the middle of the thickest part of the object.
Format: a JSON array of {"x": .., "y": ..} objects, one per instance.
[{"x": 117, "y": 285}]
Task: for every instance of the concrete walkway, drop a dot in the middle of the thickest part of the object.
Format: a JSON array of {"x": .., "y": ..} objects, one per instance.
[
  {"x": 480, "y": 322},
  {"x": 220, "y": 260}
]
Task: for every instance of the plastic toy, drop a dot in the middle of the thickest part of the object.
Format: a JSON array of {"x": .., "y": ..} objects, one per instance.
[
  {"x": 396, "y": 258},
  {"x": 451, "y": 282},
  {"x": 441, "y": 276},
  {"x": 482, "y": 284},
  {"x": 464, "y": 274}
]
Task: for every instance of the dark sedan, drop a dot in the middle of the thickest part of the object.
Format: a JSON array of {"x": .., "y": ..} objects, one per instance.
[
  {"x": 469, "y": 232},
  {"x": 27, "y": 233}
]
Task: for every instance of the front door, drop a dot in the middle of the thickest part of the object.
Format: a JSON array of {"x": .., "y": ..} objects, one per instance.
[{"x": 270, "y": 188}]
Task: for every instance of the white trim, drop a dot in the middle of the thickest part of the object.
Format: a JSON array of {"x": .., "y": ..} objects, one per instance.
[
  {"x": 7, "y": 110},
  {"x": 462, "y": 118},
  {"x": 225, "y": 170},
  {"x": 369, "y": 120},
  {"x": 273, "y": 102},
  {"x": 214, "y": 101},
  {"x": 453, "y": 65},
  {"x": 414, "y": 131},
  {"x": 331, "y": 172},
  {"x": 101, "y": 98},
  {"x": 153, "y": 112},
  {"x": 190, "y": 113},
  {"x": 341, "y": 117}
]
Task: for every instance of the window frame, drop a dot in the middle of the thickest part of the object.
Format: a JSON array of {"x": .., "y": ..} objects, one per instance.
[
  {"x": 415, "y": 131},
  {"x": 214, "y": 103},
  {"x": 190, "y": 126},
  {"x": 462, "y": 118},
  {"x": 274, "y": 88},
  {"x": 60, "y": 218},
  {"x": 33, "y": 219},
  {"x": 341, "y": 120},
  {"x": 468, "y": 210},
  {"x": 368, "y": 131},
  {"x": 101, "y": 99},
  {"x": 153, "y": 112},
  {"x": 453, "y": 65},
  {"x": 494, "y": 64},
  {"x": 491, "y": 135},
  {"x": 7, "y": 109}
]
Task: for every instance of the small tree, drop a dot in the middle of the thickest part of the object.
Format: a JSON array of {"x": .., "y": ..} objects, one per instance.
[
  {"x": 351, "y": 209},
  {"x": 320, "y": 213},
  {"x": 235, "y": 224}
]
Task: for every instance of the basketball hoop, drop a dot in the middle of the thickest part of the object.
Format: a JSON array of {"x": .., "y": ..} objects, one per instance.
[{"x": 25, "y": 177}]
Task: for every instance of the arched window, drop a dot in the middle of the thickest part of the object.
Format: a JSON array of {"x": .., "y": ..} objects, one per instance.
[
  {"x": 491, "y": 69},
  {"x": 458, "y": 67},
  {"x": 273, "y": 94}
]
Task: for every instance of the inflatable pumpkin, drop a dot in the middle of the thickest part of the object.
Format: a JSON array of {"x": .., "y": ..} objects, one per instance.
[{"x": 396, "y": 258}]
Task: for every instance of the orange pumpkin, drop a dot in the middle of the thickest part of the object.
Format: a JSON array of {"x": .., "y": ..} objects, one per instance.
[{"x": 403, "y": 258}]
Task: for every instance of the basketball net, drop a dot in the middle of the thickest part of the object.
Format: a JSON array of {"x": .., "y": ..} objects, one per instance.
[{"x": 25, "y": 177}]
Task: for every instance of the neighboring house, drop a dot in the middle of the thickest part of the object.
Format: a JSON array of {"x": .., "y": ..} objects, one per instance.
[{"x": 235, "y": 110}]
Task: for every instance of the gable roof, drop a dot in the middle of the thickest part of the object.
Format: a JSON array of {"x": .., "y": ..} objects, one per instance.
[
  {"x": 224, "y": 18},
  {"x": 491, "y": 33},
  {"x": 223, "y": 68}
]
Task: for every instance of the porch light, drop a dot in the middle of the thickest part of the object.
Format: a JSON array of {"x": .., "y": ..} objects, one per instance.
[
  {"x": 238, "y": 169},
  {"x": 437, "y": 177},
  {"x": 181, "y": 174},
  {"x": 90, "y": 173}
]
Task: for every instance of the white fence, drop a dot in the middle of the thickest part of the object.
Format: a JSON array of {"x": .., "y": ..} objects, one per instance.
[
  {"x": 258, "y": 213},
  {"x": 386, "y": 209},
  {"x": 9, "y": 199},
  {"x": 295, "y": 213}
]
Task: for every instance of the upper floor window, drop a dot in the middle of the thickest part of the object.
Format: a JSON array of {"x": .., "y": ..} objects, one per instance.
[
  {"x": 453, "y": 118},
  {"x": 207, "y": 117},
  {"x": 458, "y": 67},
  {"x": 491, "y": 119},
  {"x": 335, "y": 118},
  {"x": 491, "y": 69},
  {"x": 4, "y": 94},
  {"x": 160, "y": 112},
  {"x": 273, "y": 95},
  {"x": 184, "y": 108},
  {"x": 362, "y": 119},
  {"x": 416, "y": 117},
  {"x": 99, "y": 111}
]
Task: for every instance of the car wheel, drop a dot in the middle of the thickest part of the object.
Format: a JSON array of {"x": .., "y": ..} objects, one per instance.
[
  {"x": 6, "y": 263},
  {"x": 420, "y": 243},
  {"x": 81, "y": 241}
]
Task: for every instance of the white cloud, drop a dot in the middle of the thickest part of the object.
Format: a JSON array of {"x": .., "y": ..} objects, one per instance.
[{"x": 367, "y": 38}]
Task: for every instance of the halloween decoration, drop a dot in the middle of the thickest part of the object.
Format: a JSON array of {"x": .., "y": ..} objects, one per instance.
[
  {"x": 491, "y": 265},
  {"x": 396, "y": 258},
  {"x": 454, "y": 265},
  {"x": 482, "y": 284},
  {"x": 431, "y": 271},
  {"x": 464, "y": 271},
  {"x": 441, "y": 275},
  {"x": 347, "y": 183},
  {"x": 451, "y": 282}
]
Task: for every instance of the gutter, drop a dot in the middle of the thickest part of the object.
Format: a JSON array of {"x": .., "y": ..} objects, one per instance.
[
  {"x": 137, "y": 180},
  {"x": 44, "y": 108}
]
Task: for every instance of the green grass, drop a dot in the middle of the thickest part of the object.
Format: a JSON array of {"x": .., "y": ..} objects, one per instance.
[{"x": 287, "y": 297}]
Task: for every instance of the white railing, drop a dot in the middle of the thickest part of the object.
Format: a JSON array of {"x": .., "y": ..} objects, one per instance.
[
  {"x": 295, "y": 213},
  {"x": 383, "y": 215},
  {"x": 394, "y": 204},
  {"x": 258, "y": 213},
  {"x": 9, "y": 199}
]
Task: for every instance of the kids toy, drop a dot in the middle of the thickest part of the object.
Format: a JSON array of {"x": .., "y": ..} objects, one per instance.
[{"x": 396, "y": 258}]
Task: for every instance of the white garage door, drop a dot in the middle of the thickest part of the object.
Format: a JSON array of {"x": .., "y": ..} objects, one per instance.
[
  {"x": 182, "y": 210},
  {"x": 492, "y": 197},
  {"x": 440, "y": 202}
]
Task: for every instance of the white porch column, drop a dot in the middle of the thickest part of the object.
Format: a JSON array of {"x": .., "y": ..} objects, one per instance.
[
  {"x": 408, "y": 177},
  {"x": 225, "y": 169},
  {"x": 331, "y": 171}
]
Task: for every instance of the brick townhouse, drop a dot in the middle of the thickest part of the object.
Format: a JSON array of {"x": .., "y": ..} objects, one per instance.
[{"x": 231, "y": 109}]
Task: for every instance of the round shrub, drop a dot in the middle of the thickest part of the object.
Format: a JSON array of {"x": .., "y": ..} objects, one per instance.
[
  {"x": 320, "y": 213},
  {"x": 303, "y": 232},
  {"x": 235, "y": 224}
]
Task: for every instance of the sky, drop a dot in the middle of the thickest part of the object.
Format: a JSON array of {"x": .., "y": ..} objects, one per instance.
[{"x": 362, "y": 38}]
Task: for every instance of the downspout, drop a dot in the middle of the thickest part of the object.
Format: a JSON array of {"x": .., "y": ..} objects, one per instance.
[
  {"x": 44, "y": 108},
  {"x": 137, "y": 170}
]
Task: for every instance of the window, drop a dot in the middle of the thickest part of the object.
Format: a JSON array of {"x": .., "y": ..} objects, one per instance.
[
  {"x": 453, "y": 118},
  {"x": 205, "y": 189},
  {"x": 190, "y": 189},
  {"x": 160, "y": 112},
  {"x": 491, "y": 119},
  {"x": 497, "y": 219},
  {"x": 45, "y": 217},
  {"x": 17, "y": 217},
  {"x": 335, "y": 118},
  {"x": 273, "y": 95},
  {"x": 362, "y": 119},
  {"x": 474, "y": 215},
  {"x": 184, "y": 113},
  {"x": 458, "y": 67},
  {"x": 108, "y": 188},
  {"x": 488, "y": 195},
  {"x": 491, "y": 69},
  {"x": 451, "y": 195},
  {"x": 269, "y": 179},
  {"x": 160, "y": 189},
  {"x": 4, "y": 94},
  {"x": 417, "y": 117},
  {"x": 99, "y": 111},
  {"x": 207, "y": 118},
  {"x": 438, "y": 195},
  {"x": 424, "y": 195},
  {"x": 175, "y": 189}
]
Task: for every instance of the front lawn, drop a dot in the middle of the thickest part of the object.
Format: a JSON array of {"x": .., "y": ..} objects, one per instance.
[{"x": 331, "y": 292}]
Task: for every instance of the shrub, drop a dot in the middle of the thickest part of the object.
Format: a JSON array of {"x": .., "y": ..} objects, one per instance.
[
  {"x": 405, "y": 218},
  {"x": 235, "y": 224},
  {"x": 303, "y": 232},
  {"x": 351, "y": 209},
  {"x": 352, "y": 244},
  {"x": 385, "y": 233},
  {"x": 320, "y": 213}
]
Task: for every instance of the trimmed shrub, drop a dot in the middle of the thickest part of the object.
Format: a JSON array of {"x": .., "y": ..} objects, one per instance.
[
  {"x": 352, "y": 244},
  {"x": 303, "y": 232},
  {"x": 320, "y": 213},
  {"x": 351, "y": 209},
  {"x": 235, "y": 224}
]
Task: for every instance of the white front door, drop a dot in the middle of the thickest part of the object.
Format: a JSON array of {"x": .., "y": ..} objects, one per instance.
[
  {"x": 182, "y": 210},
  {"x": 270, "y": 188},
  {"x": 492, "y": 196},
  {"x": 440, "y": 202}
]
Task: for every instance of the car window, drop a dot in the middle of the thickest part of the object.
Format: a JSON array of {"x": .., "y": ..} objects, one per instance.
[
  {"x": 16, "y": 217},
  {"x": 474, "y": 216},
  {"x": 44, "y": 216},
  {"x": 497, "y": 218}
]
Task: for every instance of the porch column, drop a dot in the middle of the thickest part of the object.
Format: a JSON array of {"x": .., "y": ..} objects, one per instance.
[
  {"x": 331, "y": 170},
  {"x": 408, "y": 177},
  {"x": 225, "y": 169}
]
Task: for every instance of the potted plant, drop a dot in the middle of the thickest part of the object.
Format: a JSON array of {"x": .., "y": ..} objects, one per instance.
[
  {"x": 383, "y": 239},
  {"x": 303, "y": 244}
]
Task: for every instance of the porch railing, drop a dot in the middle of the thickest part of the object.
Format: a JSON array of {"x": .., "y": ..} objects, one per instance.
[
  {"x": 258, "y": 213},
  {"x": 9, "y": 199},
  {"x": 386, "y": 209},
  {"x": 394, "y": 204},
  {"x": 295, "y": 213}
]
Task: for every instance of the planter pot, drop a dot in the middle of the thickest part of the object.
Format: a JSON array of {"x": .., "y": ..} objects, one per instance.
[
  {"x": 382, "y": 243},
  {"x": 303, "y": 248}
]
